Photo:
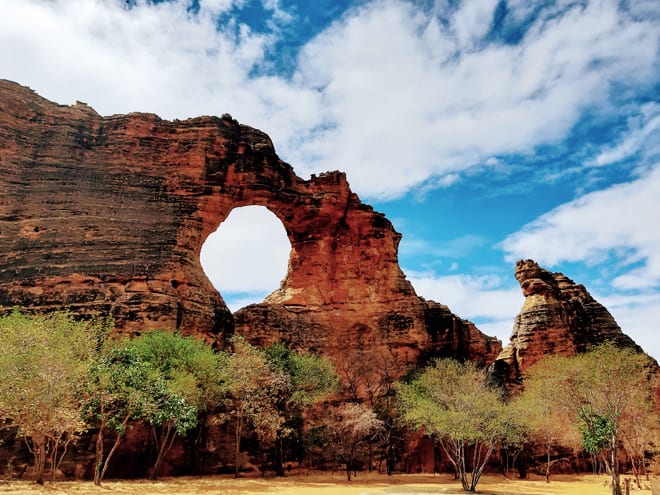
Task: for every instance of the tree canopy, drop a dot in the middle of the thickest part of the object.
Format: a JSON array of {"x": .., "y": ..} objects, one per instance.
[
  {"x": 118, "y": 391},
  {"x": 61, "y": 376},
  {"x": 606, "y": 393},
  {"x": 309, "y": 379},
  {"x": 185, "y": 381},
  {"x": 451, "y": 401},
  {"x": 252, "y": 387},
  {"x": 44, "y": 365}
]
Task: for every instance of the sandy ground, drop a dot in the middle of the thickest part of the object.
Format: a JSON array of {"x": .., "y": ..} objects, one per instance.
[{"x": 325, "y": 484}]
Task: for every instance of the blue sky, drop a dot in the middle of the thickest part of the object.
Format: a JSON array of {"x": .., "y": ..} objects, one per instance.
[{"x": 486, "y": 130}]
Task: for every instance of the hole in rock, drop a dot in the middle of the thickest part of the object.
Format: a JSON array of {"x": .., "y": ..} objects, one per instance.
[{"x": 247, "y": 257}]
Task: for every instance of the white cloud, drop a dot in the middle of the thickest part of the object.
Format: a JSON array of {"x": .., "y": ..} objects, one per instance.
[
  {"x": 215, "y": 7},
  {"x": 280, "y": 14},
  {"x": 472, "y": 22},
  {"x": 387, "y": 88},
  {"x": 492, "y": 304},
  {"x": 638, "y": 317},
  {"x": 460, "y": 247},
  {"x": 643, "y": 128},
  {"x": 619, "y": 223},
  {"x": 408, "y": 95},
  {"x": 613, "y": 228},
  {"x": 152, "y": 57},
  {"x": 487, "y": 300},
  {"x": 248, "y": 253},
  {"x": 502, "y": 329}
]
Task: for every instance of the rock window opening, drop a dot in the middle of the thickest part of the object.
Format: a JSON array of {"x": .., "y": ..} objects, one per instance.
[{"x": 246, "y": 258}]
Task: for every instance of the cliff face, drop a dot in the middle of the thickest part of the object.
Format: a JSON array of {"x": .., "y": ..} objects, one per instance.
[
  {"x": 557, "y": 317},
  {"x": 107, "y": 215}
]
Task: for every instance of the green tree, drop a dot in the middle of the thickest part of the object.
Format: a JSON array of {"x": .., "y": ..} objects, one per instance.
[
  {"x": 252, "y": 387},
  {"x": 641, "y": 438},
  {"x": 44, "y": 365},
  {"x": 116, "y": 393},
  {"x": 547, "y": 423},
  {"x": 350, "y": 427},
  {"x": 310, "y": 379},
  {"x": 452, "y": 401},
  {"x": 607, "y": 392},
  {"x": 185, "y": 384},
  {"x": 371, "y": 376},
  {"x": 515, "y": 435}
]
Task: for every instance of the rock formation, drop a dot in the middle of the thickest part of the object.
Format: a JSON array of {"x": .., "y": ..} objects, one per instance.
[
  {"x": 107, "y": 215},
  {"x": 558, "y": 317}
]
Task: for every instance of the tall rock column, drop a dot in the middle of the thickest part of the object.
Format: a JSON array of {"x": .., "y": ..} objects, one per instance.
[{"x": 558, "y": 317}]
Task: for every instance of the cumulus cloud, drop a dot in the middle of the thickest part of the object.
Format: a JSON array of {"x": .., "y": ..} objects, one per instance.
[
  {"x": 159, "y": 58},
  {"x": 492, "y": 303},
  {"x": 638, "y": 317},
  {"x": 619, "y": 223},
  {"x": 487, "y": 300},
  {"x": 614, "y": 230},
  {"x": 643, "y": 135},
  {"x": 422, "y": 93},
  {"x": 404, "y": 92}
]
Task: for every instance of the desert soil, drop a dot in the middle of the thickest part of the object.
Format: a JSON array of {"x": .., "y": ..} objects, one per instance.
[{"x": 324, "y": 484}]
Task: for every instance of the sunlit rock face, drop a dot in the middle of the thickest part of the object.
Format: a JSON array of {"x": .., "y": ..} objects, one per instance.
[
  {"x": 107, "y": 215},
  {"x": 558, "y": 317}
]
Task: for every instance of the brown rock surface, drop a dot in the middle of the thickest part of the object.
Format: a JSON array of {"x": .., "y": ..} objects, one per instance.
[
  {"x": 557, "y": 317},
  {"x": 108, "y": 215}
]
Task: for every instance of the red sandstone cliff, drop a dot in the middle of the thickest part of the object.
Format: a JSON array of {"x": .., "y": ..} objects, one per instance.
[
  {"x": 108, "y": 215},
  {"x": 557, "y": 317}
]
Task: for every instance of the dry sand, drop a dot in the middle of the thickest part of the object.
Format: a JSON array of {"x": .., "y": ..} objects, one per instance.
[{"x": 325, "y": 484}]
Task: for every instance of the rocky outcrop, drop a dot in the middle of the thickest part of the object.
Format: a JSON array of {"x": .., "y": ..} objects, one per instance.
[
  {"x": 107, "y": 215},
  {"x": 558, "y": 317}
]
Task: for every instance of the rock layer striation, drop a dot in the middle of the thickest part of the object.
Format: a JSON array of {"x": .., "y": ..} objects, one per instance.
[
  {"x": 558, "y": 317},
  {"x": 107, "y": 215}
]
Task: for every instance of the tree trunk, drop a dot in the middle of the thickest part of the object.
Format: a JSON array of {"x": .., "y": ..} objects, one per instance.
[
  {"x": 55, "y": 445},
  {"x": 616, "y": 482},
  {"x": 350, "y": 461},
  {"x": 371, "y": 456},
  {"x": 106, "y": 463},
  {"x": 453, "y": 455},
  {"x": 163, "y": 445},
  {"x": 40, "y": 462},
  {"x": 107, "y": 459},
  {"x": 98, "y": 464},
  {"x": 521, "y": 465},
  {"x": 636, "y": 469},
  {"x": 279, "y": 455},
  {"x": 504, "y": 453},
  {"x": 154, "y": 474},
  {"x": 37, "y": 446},
  {"x": 462, "y": 471},
  {"x": 237, "y": 451}
]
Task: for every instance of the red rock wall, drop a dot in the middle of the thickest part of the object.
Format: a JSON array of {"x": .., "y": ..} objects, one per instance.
[
  {"x": 108, "y": 215},
  {"x": 558, "y": 317}
]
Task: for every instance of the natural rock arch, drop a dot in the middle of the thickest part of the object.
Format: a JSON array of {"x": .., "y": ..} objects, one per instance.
[{"x": 109, "y": 214}]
